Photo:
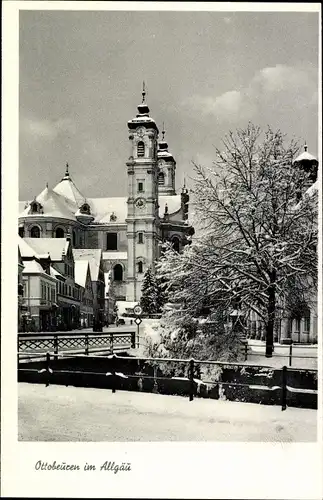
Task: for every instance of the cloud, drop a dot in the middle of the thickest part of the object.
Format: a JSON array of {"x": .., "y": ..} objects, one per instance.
[
  {"x": 46, "y": 129},
  {"x": 282, "y": 78},
  {"x": 276, "y": 86}
]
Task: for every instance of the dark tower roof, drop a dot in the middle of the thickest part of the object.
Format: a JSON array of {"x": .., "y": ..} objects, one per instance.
[{"x": 143, "y": 118}]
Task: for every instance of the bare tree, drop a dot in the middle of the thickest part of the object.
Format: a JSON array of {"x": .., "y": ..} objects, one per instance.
[{"x": 258, "y": 231}]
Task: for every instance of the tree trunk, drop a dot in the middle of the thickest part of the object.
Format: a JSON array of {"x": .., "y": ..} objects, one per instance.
[{"x": 271, "y": 317}]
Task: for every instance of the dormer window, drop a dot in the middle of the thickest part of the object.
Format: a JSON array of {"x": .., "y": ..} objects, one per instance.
[
  {"x": 36, "y": 208},
  {"x": 85, "y": 209},
  {"x": 140, "y": 149}
]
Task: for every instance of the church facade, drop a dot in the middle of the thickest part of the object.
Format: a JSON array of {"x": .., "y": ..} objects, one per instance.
[{"x": 128, "y": 230}]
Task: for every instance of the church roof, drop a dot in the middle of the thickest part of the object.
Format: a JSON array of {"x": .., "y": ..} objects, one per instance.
[
  {"x": 305, "y": 156},
  {"x": 54, "y": 205},
  {"x": 103, "y": 208},
  {"x": 93, "y": 256},
  {"x": 67, "y": 188},
  {"x": 80, "y": 272},
  {"x": 56, "y": 247},
  {"x": 173, "y": 203}
]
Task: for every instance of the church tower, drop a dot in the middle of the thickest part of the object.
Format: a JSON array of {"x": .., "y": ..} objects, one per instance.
[
  {"x": 142, "y": 217},
  {"x": 166, "y": 168}
]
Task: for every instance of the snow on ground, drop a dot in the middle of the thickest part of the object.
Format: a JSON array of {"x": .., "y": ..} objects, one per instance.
[
  {"x": 281, "y": 355},
  {"x": 58, "y": 413}
]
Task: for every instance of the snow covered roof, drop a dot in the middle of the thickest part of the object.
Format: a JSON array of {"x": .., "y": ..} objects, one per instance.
[
  {"x": 32, "y": 267},
  {"x": 56, "y": 247},
  {"x": 305, "y": 156},
  {"x": 54, "y": 205},
  {"x": 67, "y": 188},
  {"x": 173, "y": 202},
  {"x": 114, "y": 255},
  {"x": 54, "y": 273},
  {"x": 80, "y": 271},
  {"x": 103, "y": 208},
  {"x": 93, "y": 256},
  {"x": 25, "y": 249}
]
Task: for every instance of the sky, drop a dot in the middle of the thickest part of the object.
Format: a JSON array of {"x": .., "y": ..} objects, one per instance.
[{"x": 206, "y": 73}]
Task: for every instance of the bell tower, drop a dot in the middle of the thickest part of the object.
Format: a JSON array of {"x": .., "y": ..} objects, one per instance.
[
  {"x": 142, "y": 216},
  {"x": 166, "y": 168}
]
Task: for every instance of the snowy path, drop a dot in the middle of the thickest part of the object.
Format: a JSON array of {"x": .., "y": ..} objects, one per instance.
[{"x": 59, "y": 413}]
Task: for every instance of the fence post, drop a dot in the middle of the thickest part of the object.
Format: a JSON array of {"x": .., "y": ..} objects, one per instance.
[
  {"x": 191, "y": 377},
  {"x": 290, "y": 354},
  {"x": 47, "y": 368},
  {"x": 246, "y": 351},
  {"x": 284, "y": 388},
  {"x": 111, "y": 343},
  {"x": 55, "y": 346},
  {"x": 133, "y": 340},
  {"x": 113, "y": 372},
  {"x": 86, "y": 343}
]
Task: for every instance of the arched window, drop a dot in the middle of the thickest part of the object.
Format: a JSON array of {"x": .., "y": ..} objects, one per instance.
[
  {"x": 74, "y": 238},
  {"x": 140, "y": 267},
  {"x": 21, "y": 232},
  {"x": 118, "y": 272},
  {"x": 140, "y": 149},
  {"x": 59, "y": 233},
  {"x": 161, "y": 179},
  {"x": 35, "y": 232},
  {"x": 175, "y": 243}
]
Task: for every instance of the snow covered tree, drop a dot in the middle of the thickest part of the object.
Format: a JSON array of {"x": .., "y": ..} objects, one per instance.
[
  {"x": 150, "y": 289},
  {"x": 257, "y": 236}
]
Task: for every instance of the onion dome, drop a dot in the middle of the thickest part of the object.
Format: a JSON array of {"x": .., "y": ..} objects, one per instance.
[
  {"x": 143, "y": 118},
  {"x": 305, "y": 156},
  {"x": 163, "y": 149},
  {"x": 308, "y": 163}
]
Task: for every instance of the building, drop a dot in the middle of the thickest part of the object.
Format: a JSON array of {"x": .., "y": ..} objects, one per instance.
[
  {"x": 299, "y": 325},
  {"x": 39, "y": 291},
  {"x": 83, "y": 278},
  {"x": 127, "y": 230},
  {"x": 94, "y": 259},
  {"x": 61, "y": 261}
]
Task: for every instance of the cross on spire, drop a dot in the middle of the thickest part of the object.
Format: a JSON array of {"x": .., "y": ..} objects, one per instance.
[
  {"x": 66, "y": 171},
  {"x": 143, "y": 92},
  {"x": 305, "y": 147},
  {"x": 163, "y": 131}
]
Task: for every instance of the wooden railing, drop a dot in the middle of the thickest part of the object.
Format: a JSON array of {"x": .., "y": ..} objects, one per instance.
[{"x": 36, "y": 345}]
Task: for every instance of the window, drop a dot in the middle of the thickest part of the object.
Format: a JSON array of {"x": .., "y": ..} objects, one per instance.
[
  {"x": 69, "y": 290},
  {"x": 21, "y": 232},
  {"x": 59, "y": 233},
  {"x": 307, "y": 323},
  {"x": 175, "y": 242},
  {"x": 140, "y": 149},
  {"x": 118, "y": 272},
  {"x": 35, "y": 232},
  {"x": 140, "y": 187},
  {"x": 161, "y": 179},
  {"x": 112, "y": 241},
  {"x": 140, "y": 238},
  {"x": 74, "y": 238},
  {"x": 140, "y": 267}
]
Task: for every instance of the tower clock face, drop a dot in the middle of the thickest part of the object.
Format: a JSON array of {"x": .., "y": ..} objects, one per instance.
[
  {"x": 140, "y": 132},
  {"x": 140, "y": 203}
]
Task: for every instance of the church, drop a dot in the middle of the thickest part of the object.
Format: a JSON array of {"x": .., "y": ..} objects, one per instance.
[{"x": 129, "y": 230}]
